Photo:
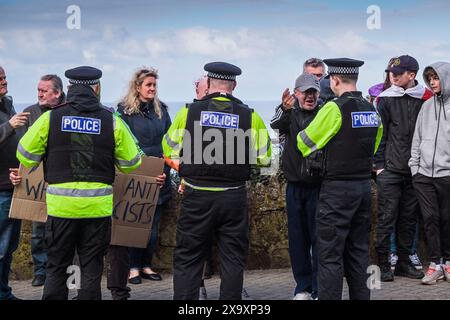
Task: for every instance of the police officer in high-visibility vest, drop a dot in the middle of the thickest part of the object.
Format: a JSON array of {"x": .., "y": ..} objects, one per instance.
[
  {"x": 215, "y": 140},
  {"x": 348, "y": 130},
  {"x": 79, "y": 143}
]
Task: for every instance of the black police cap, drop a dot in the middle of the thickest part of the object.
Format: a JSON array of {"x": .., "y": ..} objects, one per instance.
[
  {"x": 344, "y": 66},
  {"x": 84, "y": 75},
  {"x": 222, "y": 71}
]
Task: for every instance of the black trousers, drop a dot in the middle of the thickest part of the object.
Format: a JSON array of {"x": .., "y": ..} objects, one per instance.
[
  {"x": 90, "y": 238},
  {"x": 117, "y": 269},
  {"x": 397, "y": 207},
  {"x": 343, "y": 235},
  {"x": 434, "y": 201},
  {"x": 204, "y": 213}
]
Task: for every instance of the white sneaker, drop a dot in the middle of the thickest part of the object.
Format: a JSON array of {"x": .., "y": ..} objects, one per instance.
[
  {"x": 433, "y": 275},
  {"x": 302, "y": 296},
  {"x": 446, "y": 268},
  {"x": 393, "y": 258},
  {"x": 202, "y": 295},
  {"x": 416, "y": 261}
]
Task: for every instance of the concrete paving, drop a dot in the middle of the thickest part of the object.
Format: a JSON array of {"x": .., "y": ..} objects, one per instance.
[{"x": 275, "y": 284}]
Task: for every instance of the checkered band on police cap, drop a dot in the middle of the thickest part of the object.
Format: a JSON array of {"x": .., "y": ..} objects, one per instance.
[
  {"x": 221, "y": 76},
  {"x": 88, "y": 82},
  {"x": 343, "y": 70}
]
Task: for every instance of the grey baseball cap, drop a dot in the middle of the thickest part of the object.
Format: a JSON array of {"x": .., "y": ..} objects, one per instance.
[{"x": 307, "y": 81}]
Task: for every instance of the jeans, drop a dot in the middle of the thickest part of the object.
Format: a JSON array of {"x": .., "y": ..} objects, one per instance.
[
  {"x": 414, "y": 245},
  {"x": 38, "y": 252},
  {"x": 142, "y": 258},
  {"x": 9, "y": 241},
  {"x": 301, "y": 203}
]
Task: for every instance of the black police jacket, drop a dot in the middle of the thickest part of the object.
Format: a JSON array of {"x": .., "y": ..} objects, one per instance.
[
  {"x": 290, "y": 123},
  {"x": 9, "y": 138},
  {"x": 399, "y": 115}
]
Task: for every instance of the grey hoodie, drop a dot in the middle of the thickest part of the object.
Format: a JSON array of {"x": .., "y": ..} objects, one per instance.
[{"x": 430, "y": 151}]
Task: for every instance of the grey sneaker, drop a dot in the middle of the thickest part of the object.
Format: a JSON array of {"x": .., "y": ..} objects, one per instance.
[
  {"x": 446, "y": 268},
  {"x": 202, "y": 295},
  {"x": 433, "y": 275}
]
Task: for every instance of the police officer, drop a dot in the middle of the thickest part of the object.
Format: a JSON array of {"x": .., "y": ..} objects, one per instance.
[
  {"x": 349, "y": 130},
  {"x": 79, "y": 142},
  {"x": 215, "y": 140}
]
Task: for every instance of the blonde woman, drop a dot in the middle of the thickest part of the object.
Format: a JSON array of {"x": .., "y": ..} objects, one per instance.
[{"x": 149, "y": 120}]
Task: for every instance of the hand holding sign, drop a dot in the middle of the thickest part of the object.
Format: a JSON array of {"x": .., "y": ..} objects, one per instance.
[
  {"x": 14, "y": 176},
  {"x": 161, "y": 179}
]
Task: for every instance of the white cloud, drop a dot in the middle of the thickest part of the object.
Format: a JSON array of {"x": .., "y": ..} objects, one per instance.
[
  {"x": 108, "y": 67},
  {"x": 349, "y": 44},
  {"x": 30, "y": 41},
  {"x": 156, "y": 47},
  {"x": 206, "y": 42},
  {"x": 89, "y": 56},
  {"x": 267, "y": 55}
]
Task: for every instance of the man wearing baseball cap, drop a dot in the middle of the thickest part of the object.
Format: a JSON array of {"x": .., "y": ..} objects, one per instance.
[
  {"x": 293, "y": 115},
  {"x": 398, "y": 107}
]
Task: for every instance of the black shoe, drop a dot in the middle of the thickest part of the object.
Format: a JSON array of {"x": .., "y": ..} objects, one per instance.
[
  {"x": 151, "y": 276},
  {"x": 11, "y": 298},
  {"x": 135, "y": 280},
  {"x": 406, "y": 269},
  {"x": 386, "y": 274},
  {"x": 38, "y": 280}
]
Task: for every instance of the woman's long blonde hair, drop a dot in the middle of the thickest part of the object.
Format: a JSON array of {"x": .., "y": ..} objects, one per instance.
[{"x": 131, "y": 100}]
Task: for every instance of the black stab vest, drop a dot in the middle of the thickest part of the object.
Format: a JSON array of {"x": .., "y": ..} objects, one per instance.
[
  {"x": 80, "y": 157},
  {"x": 349, "y": 154},
  {"x": 215, "y": 161}
]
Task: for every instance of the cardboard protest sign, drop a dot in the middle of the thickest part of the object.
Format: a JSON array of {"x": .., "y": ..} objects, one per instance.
[
  {"x": 28, "y": 201},
  {"x": 135, "y": 199}
]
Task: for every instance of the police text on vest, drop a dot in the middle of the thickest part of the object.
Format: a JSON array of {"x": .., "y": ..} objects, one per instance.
[
  {"x": 81, "y": 125},
  {"x": 367, "y": 119},
  {"x": 219, "y": 120}
]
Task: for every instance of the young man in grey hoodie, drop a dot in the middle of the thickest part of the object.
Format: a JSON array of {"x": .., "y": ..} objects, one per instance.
[{"x": 430, "y": 167}]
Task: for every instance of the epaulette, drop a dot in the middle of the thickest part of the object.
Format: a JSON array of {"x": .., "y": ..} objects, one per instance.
[
  {"x": 59, "y": 105},
  {"x": 110, "y": 109}
]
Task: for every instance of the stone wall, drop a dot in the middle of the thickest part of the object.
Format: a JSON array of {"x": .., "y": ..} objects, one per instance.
[
  {"x": 268, "y": 228},
  {"x": 268, "y": 231}
]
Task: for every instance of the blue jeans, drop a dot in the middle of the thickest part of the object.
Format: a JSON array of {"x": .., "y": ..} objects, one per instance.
[
  {"x": 301, "y": 201},
  {"x": 9, "y": 241},
  {"x": 38, "y": 252},
  {"x": 414, "y": 245},
  {"x": 142, "y": 258}
]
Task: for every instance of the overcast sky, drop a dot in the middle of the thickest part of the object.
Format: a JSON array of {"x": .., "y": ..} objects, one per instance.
[{"x": 269, "y": 40}]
